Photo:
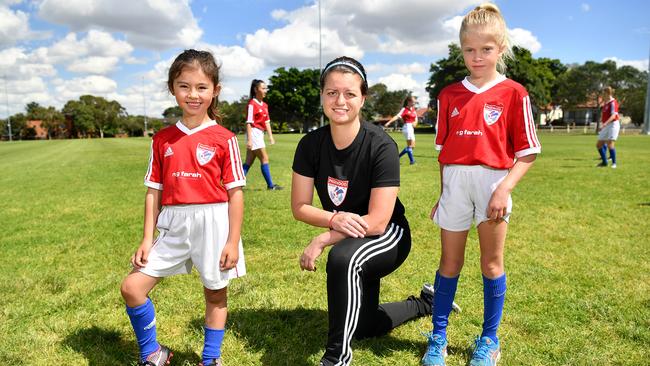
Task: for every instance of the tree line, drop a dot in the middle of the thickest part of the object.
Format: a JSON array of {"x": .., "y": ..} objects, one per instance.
[{"x": 294, "y": 94}]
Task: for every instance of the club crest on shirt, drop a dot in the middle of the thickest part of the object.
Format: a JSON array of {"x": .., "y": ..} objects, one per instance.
[
  {"x": 205, "y": 153},
  {"x": 491, "y": 113},
  {"x": 337, "y": 189}
]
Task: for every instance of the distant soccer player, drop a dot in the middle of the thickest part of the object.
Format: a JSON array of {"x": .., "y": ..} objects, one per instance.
[
  {"x": 410, "y": 118},
  {"x": 195, "y": 199},
  {"x": 609, "y": 128},
  {"x": 258, "y": 121},
  {"x": 487, "y": 140}
]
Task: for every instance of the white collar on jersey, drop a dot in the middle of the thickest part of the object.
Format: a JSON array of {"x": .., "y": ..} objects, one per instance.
[
  {"x": 471, "y": 87},
  {"x": 202, "y": 127},
  {"x": 260, "y": 102}
]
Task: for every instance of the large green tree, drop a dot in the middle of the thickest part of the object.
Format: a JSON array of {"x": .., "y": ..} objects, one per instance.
[
  {"x": 446, "y": 71},
  {"x": 93, "y": 115},
  {"x": 294, "y": 97},
  {"x": 52, "y": 119},
  {"x": 233, "y": 114}
]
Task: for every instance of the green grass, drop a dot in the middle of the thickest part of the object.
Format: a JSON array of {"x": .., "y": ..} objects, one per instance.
[{"x": 576, "y": 257}]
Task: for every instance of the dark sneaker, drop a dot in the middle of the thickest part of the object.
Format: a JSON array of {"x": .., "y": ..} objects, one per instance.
[
  {"x": 426, "y": 294},
  {"x": 486, "y": 352},
  {"x": 214, "y": 362},
  {"x": 159, "y": 358},
  {"x": 275, "y": 188},
  {"x": 601, "y": 164}
]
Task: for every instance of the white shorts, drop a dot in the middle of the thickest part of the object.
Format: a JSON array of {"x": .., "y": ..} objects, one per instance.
[
  {"x": 257, "y": 137},
  {"x": 408, "y": 131},
  {"x": 193, "y": 234},
  {"x": 466, "y": 192},
  {"x": 610, "y": 132}
]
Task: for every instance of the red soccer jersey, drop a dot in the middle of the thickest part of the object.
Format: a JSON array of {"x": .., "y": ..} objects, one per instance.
[
  {"x": 408, "y": 114},
  {"x": 194, "y": 166},
  {"x": 258, "y": 114},
  {"x": 610, "y": 108},
  {"x": 488, "y": 126}
]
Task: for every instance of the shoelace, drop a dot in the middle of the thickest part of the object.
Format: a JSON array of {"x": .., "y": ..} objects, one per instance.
[
  {"x": 437, "y": 341},
  {"x": 481, "y": 349}
]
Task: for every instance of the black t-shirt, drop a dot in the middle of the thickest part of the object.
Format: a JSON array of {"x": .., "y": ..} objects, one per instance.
[{"x": 344, "y": 178}]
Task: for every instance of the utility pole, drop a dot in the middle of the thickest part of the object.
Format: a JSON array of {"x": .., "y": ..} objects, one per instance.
[
  {"x": 646, "y": 115},
  {"x": 7, "y": 105},
  {"x": 144, "y": 107}
]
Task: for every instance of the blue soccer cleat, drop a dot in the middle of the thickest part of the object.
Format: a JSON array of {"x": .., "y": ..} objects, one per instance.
[
  {"x": 486, "y": 352},
  {"x": 436, "y": 351}
]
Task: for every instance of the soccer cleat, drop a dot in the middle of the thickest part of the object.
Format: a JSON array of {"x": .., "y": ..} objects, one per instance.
[
  {"x": 214, "y": 362},
  {"x": 427, "y": 294},
  {"x": 436, "y": 351},
  {"x": 159, "y": 358},
  {"x": 613, "y": 166},
  {"x": 601, "y": 164},
  {"x": 486, "y": 352},
  {"x": 275, "y": 187}
]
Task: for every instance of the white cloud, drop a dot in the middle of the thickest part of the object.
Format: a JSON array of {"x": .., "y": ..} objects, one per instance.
[
  {"x": 406, "y": 81},
  {"x": 94, "y": 85},
  {"x": 96, "y": 45},
  {"x": 94, "y": 65},
  {"x": 412, "y": 68},
  {"x": 15, "y": 26},
  {"x": 641, "y": 65},
  {"x": 235, "y": 61},
  {"x": 155, "y": 25},
  {"x": 585, "y": 7},
  {"x": 524, "y": 38}
]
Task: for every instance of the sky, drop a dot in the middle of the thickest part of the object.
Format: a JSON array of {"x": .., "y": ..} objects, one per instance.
[{"x": 53, "y": 51}]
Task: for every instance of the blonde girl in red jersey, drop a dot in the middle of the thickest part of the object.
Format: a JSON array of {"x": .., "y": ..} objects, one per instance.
[
  {"x": 194, "y": 198},
  {"x": 409, "y": 115},
  {"x": 487, "y": 140}
]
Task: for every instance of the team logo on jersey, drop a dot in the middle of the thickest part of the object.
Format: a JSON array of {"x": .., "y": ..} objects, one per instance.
[
  {"x": 337, "y": 189},
  {"x": 169, "y": 151},
  {"x": 455, "y": 112},
  {"x": 491, "y": 113},
  {"x": 205, "y": 153}
]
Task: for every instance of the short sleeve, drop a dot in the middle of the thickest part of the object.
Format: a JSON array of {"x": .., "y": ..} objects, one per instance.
[
  {"x": 385, "y": 165},
  {"x": 402, "y": 112},
  {"x": 522, "y": 128},
  {"x": 232, "y": 173},
  {"x": 250, "y": 115},
  {"x": 153, "y": 178},
  {"x": 304, "y": 162},
  {"x": 441, "y": 120}
]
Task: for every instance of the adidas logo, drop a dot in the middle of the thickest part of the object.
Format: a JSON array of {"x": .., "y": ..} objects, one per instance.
[
  {"x": 169, "y": 151},
  {"x": 455, "y": 112}
]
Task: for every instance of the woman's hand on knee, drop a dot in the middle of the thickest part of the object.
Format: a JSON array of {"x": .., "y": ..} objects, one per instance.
[
  {"x": 349, "y": 224},
  {"x": 311, "y": 253}
]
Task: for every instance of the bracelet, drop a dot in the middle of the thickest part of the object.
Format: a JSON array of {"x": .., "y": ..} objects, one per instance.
[{"x": 329, "y": 224}]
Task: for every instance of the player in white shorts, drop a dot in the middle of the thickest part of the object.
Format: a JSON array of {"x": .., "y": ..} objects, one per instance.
[
  {"x": 258, "y": 121},
  {"x": 487, "y": 142},
  {"x": 609, "y": 128},
  {"x": 409, "y": 115},
  {"x": 195, "y": 200}
]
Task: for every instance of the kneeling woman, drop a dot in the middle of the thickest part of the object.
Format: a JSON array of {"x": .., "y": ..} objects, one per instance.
[{"x": 354, "y": 167}]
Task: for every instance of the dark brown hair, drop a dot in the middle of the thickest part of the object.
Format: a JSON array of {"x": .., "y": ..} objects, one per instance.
[
  {"x": 197, "y": 59},
  {"x": 347, "y": 65}
]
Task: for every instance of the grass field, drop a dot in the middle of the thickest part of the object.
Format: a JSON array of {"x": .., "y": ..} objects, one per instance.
[{"x": 577, "y": 258}]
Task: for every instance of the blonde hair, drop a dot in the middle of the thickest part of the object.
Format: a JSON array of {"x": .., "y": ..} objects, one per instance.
[
  {"x": 488, "y": 16},
  {"x": 608, "y": 90}
]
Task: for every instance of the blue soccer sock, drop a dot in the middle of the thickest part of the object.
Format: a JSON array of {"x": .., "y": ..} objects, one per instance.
[
  {"x": 212, "y": 344},
  {"x": 409, "y": 151},
  {"x": 443, "y": 298},
  {"x": 403, "y": 152},
  {"x": 603, "y": 154},
  {"x": 246, "y": 167},
  {"x": 143, "y": 320},
  {"x": 612, "y": 154},
  {"x": 494, "y": 294},
  {"x": 266, "y": 172}
]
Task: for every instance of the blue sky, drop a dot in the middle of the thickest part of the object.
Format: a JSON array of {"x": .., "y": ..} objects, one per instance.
[{"x": 52, "y": 51}]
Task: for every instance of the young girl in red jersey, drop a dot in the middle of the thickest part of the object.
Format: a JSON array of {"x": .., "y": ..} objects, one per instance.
[
  {"x": 487, "y": 140},
  {"x": 409, "y": 115},
  {"x": 194, "y": 198},
  {"x": 258, "y": 121}
]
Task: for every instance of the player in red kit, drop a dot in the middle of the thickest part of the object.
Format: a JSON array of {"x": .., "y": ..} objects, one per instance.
[
  {"x": 409, "y": 115},
  {"x": 195, "y": 200},
  {"x": 488, "y": 142},
  {"x": 609, "y": 128}
]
